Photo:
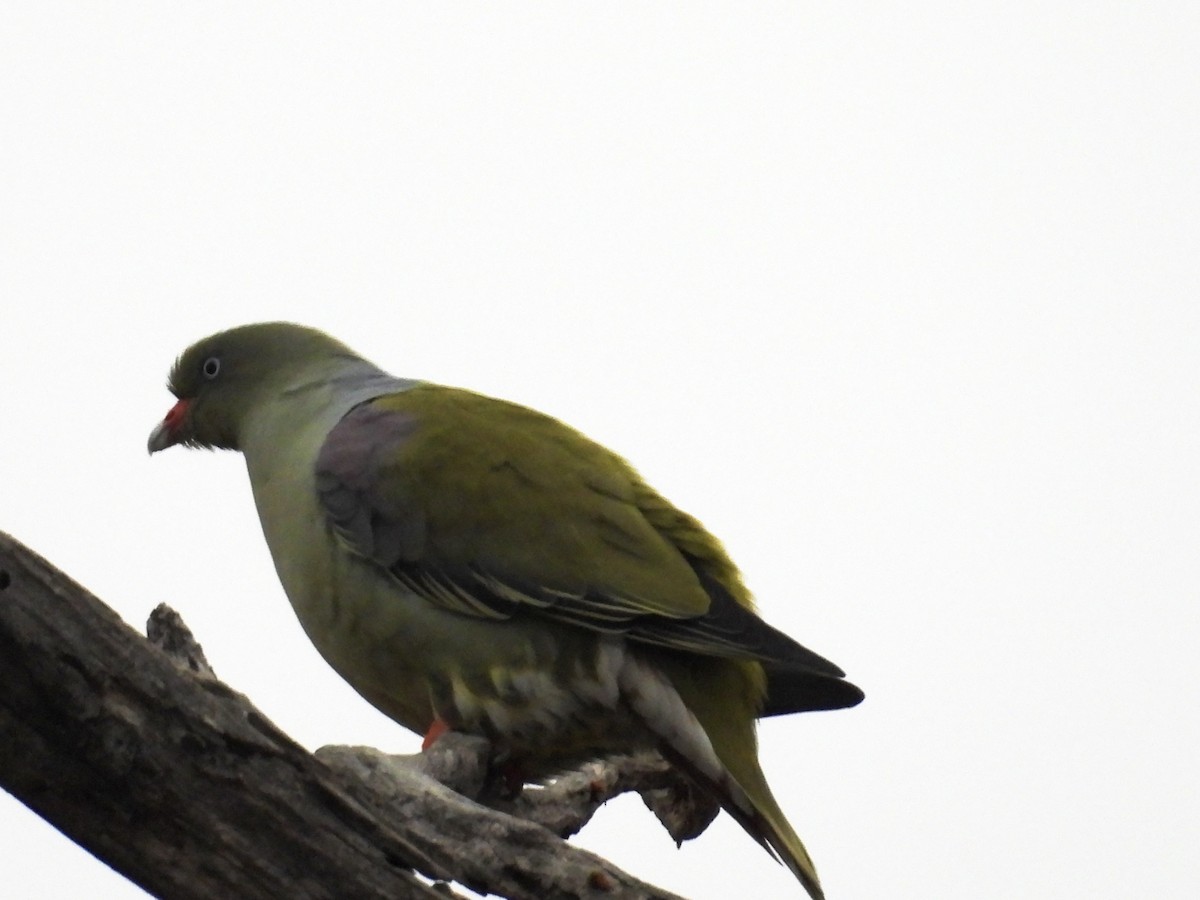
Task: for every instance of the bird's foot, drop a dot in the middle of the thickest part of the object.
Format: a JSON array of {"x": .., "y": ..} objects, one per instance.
[
  {"x": 437, "y": 728},
  {"x": 511, "y": 777}
]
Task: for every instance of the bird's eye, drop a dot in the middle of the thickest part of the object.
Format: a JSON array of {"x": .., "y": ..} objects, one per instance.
[{"x": 211, "y": 367}]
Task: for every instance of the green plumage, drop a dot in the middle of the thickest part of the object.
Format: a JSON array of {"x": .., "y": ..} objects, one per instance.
[
  {"x": 515, "y": 491},
  {"x": 462, "y": 558}
]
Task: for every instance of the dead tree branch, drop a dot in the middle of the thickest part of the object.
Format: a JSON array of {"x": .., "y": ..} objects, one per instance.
[{"x": 135, "y": 751}]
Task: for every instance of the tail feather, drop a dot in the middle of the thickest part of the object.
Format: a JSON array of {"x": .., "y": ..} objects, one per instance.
[
  {"x": 704, "y": 719},
  {"x": 770, "y": 827},
  {"x": 754, "y": 807}
]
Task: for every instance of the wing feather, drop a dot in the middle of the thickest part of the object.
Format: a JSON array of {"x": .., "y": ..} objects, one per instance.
[{"x": 492, "y": 510}]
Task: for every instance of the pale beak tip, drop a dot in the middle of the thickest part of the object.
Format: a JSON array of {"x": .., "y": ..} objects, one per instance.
[{"x": 160, "y": 438}]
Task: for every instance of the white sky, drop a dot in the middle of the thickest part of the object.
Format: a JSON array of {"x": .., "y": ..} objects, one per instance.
[{"x": 901, "y": 300}]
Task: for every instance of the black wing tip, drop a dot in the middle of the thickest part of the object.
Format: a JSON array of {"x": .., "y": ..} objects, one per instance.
[
  {"x": 791, "y": 691},
  {"x": 740, "y": 626}
]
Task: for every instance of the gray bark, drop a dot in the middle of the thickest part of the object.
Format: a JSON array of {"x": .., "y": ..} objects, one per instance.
[{"x": 138, "y": 753}]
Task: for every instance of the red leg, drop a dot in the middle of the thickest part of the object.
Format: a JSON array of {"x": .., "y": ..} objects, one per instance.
[{"x": 437, "y": 728}]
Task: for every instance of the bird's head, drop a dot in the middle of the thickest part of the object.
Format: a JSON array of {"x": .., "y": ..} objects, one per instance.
[{"x": 219, "y": 379}]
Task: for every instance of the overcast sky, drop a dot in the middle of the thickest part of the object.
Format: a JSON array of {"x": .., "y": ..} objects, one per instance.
[{"x": 900, "y": 299}]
